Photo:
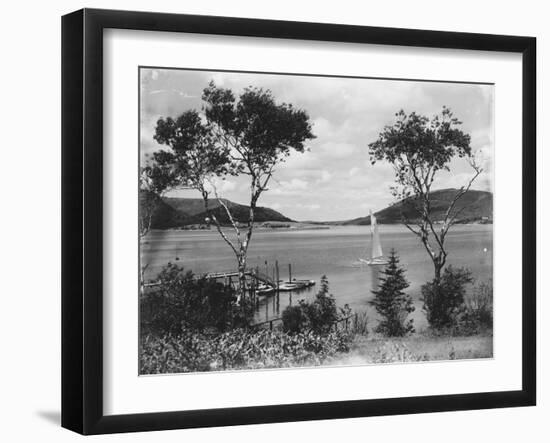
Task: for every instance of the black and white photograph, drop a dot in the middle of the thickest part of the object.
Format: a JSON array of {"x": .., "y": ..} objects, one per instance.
[{"x": 291, "y": 221}]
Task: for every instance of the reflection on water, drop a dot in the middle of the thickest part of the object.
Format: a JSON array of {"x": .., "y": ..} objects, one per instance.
[
  {"x": 374, "y": 276},
  {"x": 331, "y": 252},
  {"x": 270, "y": 307}
]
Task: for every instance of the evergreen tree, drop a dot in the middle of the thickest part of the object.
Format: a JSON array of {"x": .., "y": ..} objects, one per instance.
[{"x": 391, "y": 303}]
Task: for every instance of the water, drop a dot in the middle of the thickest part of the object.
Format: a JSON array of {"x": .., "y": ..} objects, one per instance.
[{"x": 331, "y": 252}]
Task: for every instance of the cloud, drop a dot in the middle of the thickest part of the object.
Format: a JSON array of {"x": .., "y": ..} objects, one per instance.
[
  {"x": 293, "y": 186},
  {"x": 227, "y": 185},
  {"x": 334, "y": 178},
  {"x": 311, "y": 206},
  {"x": 172, "y": 91},
  {"x": 484, "y": 157},
  {"x": 221, "y": 187},
  {"x": 353, "y": 171},
  {"x": 325, "y": 176},
  {"x": 337, "y": 150},
  {"x": 323, "y": 128},
  {"x": 308, "y": 160},
  {"x": 457, "y": 180}
]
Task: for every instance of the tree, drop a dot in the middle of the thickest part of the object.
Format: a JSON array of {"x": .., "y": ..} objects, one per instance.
[
  {"x": 418, "y": 148},
  {"x": 155, "y": 179},
  {"x": 322, "y": 313},
  {"x": 250, "y": 135},
  {"x": 391, "y": 303}
]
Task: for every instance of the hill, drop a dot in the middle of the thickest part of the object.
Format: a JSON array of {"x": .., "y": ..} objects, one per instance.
[
  {"x": 191, "y": 206},
  {"x": 176, "y": 212},
  {"x": 474, "y": 206},
  {"x": 165, "y": 215}
]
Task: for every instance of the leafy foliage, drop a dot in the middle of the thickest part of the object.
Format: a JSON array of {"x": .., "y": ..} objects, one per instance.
[
  {"x": 391, "y": 303},
  {"x": 249, "y": 136},
  {"x": 194, "y": 157},
  {"x": 155, "y": 179},
  {"x": 444, "y": 299},
  {"x": 182, "y": 301},
  {"x": 318, "y": 316},
  {"x": 418, "y": 148},
  {"x": 238, "y": 349},
  {"x": 294, "y": 319},
  {"x": 257, "y": 130},
  {"x": 417, "y": 145}
]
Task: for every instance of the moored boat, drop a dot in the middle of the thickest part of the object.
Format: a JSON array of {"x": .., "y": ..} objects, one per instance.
[
  {"x": 377, "y": 256},
  {"x": 264, "y": 289},
  {"x": 289, "y": 286}
]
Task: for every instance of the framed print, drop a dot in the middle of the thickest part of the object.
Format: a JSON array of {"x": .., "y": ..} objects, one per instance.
[{"x": 270, "y": 221}]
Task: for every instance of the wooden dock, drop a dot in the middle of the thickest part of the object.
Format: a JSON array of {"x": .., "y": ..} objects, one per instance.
[
  {"x": 253, "y": 274},
  {"x": 260, "y": 285}
]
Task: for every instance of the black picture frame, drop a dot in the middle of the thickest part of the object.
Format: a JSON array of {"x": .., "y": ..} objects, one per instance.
[{"x": 82, "y": 215}]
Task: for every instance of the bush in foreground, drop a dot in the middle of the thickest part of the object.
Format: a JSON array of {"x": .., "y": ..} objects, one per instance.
[
  {"x": 360, "y": 324},
  {"x": 317, "y": 316},
  {"x": 191, "y": 351},
  {"x": 444, "y": 299},
  {"x": 183, "y": 301},
  {"x": 294, "y": 319}
]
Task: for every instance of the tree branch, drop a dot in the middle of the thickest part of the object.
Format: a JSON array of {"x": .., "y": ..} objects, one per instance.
[
  {"x": 463, "y": 190},
  {"x": 224, "y": 206},
  {"x": 410, "y": 228},
  {"x": 216, "y": 223}
]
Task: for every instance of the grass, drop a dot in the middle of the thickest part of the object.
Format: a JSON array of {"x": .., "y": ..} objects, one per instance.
[
  {"x": 192, "y": 351},
  {"x": 419, "y": 347},
  {"x": 262, "y": 349}
]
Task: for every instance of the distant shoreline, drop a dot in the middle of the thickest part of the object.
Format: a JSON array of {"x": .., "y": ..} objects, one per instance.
[
  {"x": 189, "y": 214},
  {"x": 300, "y": 226},
  {"x": 269, "y": 226}
]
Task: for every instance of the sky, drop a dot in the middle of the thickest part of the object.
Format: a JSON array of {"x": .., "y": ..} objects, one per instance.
[{"x": 333, "y": 179}]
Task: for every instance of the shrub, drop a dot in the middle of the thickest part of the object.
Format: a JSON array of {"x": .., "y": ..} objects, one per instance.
[
  {"x": 391, "y": 303},
  {"x": 444, "y": 299},
  {"x": 182, "y": 301},
  {"x": 478, "y": 314},
  {"x": 322, "y": 313},
  {"x": 293, "y": 319},
  {"x": 318, "y": 316},
  {"x": 360, "y": 324},
  {"x": 192, "y": 351}
]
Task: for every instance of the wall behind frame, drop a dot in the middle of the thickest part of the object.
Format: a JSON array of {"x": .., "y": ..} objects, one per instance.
[{"x": 30, "y": 221}]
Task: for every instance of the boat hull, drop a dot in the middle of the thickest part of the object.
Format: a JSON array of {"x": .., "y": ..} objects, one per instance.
[{"x": 375, "y": 261}]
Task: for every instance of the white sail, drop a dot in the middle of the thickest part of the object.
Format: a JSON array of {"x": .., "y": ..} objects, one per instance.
[{"x": 376, "y": 246}]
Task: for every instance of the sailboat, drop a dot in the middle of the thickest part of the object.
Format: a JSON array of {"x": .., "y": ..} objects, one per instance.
[{"x": 377, "y": 256}]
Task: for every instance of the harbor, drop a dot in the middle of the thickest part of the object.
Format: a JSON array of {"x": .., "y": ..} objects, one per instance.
[{"x": 332, "y": 252}]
